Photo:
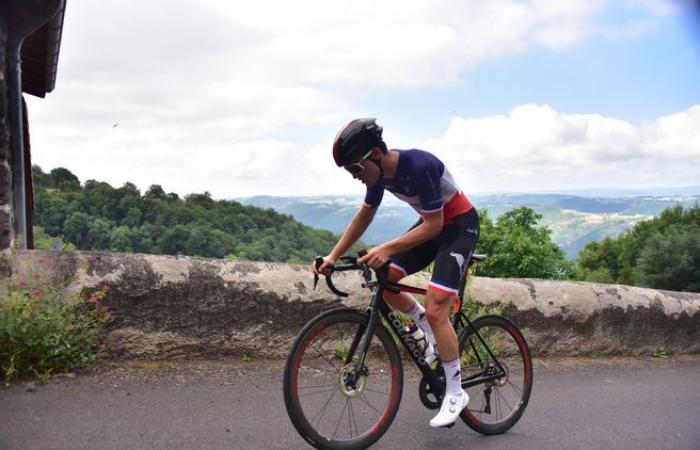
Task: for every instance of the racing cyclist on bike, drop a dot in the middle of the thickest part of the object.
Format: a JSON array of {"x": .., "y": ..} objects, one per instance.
[{"x": 446, "y": 233}]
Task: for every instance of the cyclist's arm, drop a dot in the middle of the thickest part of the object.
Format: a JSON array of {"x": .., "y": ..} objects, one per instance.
[
  {"x": 431, "y": 227},
  {"x": 354, "y": 231}
]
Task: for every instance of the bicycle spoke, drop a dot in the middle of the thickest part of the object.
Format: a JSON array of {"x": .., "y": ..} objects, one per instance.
[
  {"x": 321, "y": 354},
  {"x": 499, "y": 410},
  {"x": 378, "y": 392},
  {"x": 482, "y": 410},
  {"x": 510, "y": 408},
  {"x": 516, "y": 389},
  {"x": 340, "y": 417},
  {"x": 499, "y": 405},
  {"x": 312, "y": 386},
  {"x": 324, "y": 408},
  {"x": 351, "y": 416},
  {"x": 366, "y": 402},
  {"x": 309, "y": 394}
]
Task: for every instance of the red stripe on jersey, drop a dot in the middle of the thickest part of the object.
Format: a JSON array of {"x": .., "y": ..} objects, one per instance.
[{"x": 459, "y": 204}]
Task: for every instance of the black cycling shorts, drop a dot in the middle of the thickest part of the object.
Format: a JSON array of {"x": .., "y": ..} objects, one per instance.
[{"x": 451, "y": 250}]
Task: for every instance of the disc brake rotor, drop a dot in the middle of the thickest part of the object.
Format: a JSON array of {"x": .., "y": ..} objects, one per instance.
[{"x": 348, "y": 391}]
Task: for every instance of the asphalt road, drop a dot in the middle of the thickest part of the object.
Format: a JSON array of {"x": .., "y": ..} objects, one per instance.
[{"x": 628, "y": 403}]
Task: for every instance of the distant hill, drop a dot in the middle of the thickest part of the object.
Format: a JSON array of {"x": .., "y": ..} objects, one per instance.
[{"x": 574, "y": 220}]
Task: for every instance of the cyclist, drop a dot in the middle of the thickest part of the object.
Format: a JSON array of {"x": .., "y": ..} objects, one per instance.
[{"x": 446, "y": 233}]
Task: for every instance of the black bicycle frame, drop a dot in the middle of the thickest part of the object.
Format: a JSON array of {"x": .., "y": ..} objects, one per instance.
[{"x": 377, "y": 309}]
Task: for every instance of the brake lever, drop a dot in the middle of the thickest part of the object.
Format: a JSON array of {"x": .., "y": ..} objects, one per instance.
[
  {"x": 318, "y": 261},
  {"x": 382, "y": 278}
]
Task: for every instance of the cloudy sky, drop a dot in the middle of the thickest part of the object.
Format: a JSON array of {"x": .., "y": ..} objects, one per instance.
[{"x": 244, "y": 98}]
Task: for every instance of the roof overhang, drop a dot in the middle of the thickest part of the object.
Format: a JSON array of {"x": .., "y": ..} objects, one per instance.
[
  {"x": 40, "y": 57},
  {"x": 40, "y": 46}
]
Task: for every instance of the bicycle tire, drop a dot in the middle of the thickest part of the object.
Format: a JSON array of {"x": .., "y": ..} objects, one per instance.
[
  {"x": 509, "y": 347},
  {"x": 306, "y": 359}
]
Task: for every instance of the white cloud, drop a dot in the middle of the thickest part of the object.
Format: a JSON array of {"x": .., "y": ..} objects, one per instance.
[
  {"x": 534, "y": 147},
  {"x": 228, "y": 87}
]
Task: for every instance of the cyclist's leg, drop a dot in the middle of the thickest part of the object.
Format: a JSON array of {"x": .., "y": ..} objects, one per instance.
[
  {"x": 404, "y": 264},
  {"x": 457, "y": 242}
]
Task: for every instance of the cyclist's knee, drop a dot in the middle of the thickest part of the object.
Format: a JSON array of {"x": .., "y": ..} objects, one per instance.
[
  {"x": 437, "y": 306},
  {"x": 394, "y": 275}
]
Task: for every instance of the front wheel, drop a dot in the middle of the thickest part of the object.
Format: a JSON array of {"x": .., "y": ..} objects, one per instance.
[
  {"x": 331, "y": 403},
  {"x": 495, "y": 347}
]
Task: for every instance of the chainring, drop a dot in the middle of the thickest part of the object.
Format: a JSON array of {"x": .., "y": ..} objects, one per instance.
[{"x": 430, "y": 398}]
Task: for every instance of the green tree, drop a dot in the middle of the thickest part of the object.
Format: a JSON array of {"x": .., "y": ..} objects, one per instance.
[
  {"x": 64, "y": 180},
  {"x": 517, "y": 247},
  {"x": 133, "y": 217},
  {"x": 41, "y": 179},
  {"x": 205, "y": 241},
  {"x": 121, "y": 239},
  {"x": 174, "y": 240},
  {"x": 100, "y": 234},
  {"x": 76, "y": 229},
  {"x": 660, "y": 253},
  {"x": 44, "y": 241},
  {"x": 600, "y": 261},
  {"x": 671, "y": 260},
  {"x": 155, "y": 191}
]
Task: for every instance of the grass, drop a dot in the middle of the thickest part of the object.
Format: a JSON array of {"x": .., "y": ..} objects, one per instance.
[
  {"x": 341, "y": 352},
  {"x": 42, "y": 333},
  {"x": 153, "y": 366},
  {"x": 660, "y": 353}
]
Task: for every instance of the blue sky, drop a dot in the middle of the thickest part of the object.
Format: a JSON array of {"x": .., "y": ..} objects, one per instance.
[
  {"x": 244, "y": 99},
  {"x": 635, "y": 79}
]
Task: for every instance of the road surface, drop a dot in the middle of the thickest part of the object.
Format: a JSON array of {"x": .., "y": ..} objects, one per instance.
[{"x": 621, "y": 403}]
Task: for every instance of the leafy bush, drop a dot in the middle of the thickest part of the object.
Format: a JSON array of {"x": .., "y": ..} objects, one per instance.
[{"x": 43, "y": 334}]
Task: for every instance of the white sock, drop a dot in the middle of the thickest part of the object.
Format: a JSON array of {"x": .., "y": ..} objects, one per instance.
[
  {"x": 453, "y": 377},
  {"x": 417, "y": 313}
]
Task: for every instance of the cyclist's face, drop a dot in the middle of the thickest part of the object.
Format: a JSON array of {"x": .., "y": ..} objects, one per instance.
[{"x": 366, "y": 171}]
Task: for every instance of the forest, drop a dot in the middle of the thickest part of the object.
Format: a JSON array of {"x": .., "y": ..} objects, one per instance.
[
  {"x": 96, "y": 216},
  {"x": 661, "y": 253}
]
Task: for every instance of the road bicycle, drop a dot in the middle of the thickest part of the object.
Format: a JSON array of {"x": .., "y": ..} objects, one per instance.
[{"x": 343, "y": 378}]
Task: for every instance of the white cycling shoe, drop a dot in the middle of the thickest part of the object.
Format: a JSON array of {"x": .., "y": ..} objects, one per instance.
[{"x": 452, "y": 406}]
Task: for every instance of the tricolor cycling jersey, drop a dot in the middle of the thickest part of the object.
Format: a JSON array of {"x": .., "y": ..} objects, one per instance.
[{"x": 422, "y": 181}]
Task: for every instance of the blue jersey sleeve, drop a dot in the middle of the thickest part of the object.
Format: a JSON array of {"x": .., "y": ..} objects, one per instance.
[
  {"x": 429, "y": 177},
  {"x": 374, "y": 195}
]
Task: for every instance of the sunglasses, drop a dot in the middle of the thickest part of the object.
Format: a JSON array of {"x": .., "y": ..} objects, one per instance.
[{"x": 357, "y": 167}]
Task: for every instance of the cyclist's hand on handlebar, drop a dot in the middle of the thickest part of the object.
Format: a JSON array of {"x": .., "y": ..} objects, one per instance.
[
  {"x": 376, "y": 257},
  {"x": 325, "y": 268}
]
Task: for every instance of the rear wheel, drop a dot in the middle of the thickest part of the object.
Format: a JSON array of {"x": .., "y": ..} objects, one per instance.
[
  {"x": 330, "y": 403},
  {"x": 494, "y": 346}
]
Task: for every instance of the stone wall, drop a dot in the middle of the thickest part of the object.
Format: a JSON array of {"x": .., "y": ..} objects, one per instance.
[
  {"x": 6, "y": 218},
  {"x": 167, "y": 306}
]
